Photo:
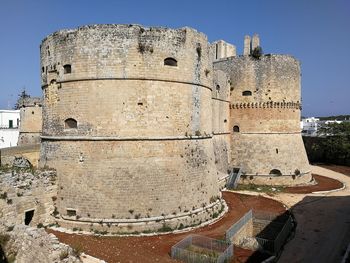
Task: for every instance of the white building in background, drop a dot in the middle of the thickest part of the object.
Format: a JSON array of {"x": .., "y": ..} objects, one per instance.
[
  {"x": 309, "y": 126},
  {"x": 9, "y": 128}
]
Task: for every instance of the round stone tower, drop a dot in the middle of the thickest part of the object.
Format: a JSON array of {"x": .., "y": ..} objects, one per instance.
[
  {"x": 265, "y": 117},
  {"x": 127, "y": 124}
]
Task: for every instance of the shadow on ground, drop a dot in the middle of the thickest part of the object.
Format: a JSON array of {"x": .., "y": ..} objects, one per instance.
[{"x": 321, "y": 234}]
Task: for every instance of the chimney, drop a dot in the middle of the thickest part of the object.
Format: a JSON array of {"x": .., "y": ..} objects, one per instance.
[
  {"x": 255, "y": 41},
  {"x": 246, "y": 51}
]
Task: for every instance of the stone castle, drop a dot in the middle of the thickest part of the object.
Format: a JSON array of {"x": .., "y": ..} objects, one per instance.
[{"x": 144, "y": 125}]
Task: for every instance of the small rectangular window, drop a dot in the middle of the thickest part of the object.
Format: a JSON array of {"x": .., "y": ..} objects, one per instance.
[
  {"x": 67, "y": 69},
  {"x": 10, "y": 123},
  {"x": 71, "y": 212}
]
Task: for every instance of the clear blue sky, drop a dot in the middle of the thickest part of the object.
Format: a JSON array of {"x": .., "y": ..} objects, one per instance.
[{"x": 317, "y": 32}]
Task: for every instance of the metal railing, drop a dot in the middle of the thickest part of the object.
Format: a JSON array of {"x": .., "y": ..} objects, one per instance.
[
  {"x": 238, "y": 225},
  {"x": 235, "y": 175},
  {"x": 195, "y": 248},
  {"x": 283, "y": 235},
  {"x": 272, "y": 245}
]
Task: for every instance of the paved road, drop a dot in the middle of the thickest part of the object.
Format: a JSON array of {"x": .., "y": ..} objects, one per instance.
[{"x": 323, "y": 230}]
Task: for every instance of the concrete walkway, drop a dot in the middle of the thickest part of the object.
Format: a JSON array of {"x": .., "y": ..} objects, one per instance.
[{"x": 323, "y": 230}]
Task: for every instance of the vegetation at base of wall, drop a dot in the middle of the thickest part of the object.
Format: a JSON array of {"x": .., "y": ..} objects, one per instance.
[
  {"x": 77, "y": 249},
  {"x": 181, "y": 226},
  {"x": 260, "y": 188},
  {"x": 64, "y": 254},
  {"x": 165, "y": 228},
  {"x": 4, "y": 238},
  {"x": 97, "y": 232},
  {"x": 331, "y": 146}
]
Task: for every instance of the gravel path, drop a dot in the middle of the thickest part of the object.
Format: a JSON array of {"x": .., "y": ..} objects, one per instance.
[{"x": 323, "y": 230}]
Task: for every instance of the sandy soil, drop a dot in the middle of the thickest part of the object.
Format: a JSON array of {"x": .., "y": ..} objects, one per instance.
[{"x": 157, "y": 248}]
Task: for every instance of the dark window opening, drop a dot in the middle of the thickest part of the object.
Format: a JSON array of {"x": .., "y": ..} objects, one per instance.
[
  {"x": 225, "y": 120},
  {"x": 217, "y": 87},
  {"x": 170, "y": 62},
  {"x": 276, "y": 150},
  {"x": 43, "y": 69},
  {"x": 70, "y": 124},
  {"x": 140, "y": 103},
  {"x": 67, "y": 69},
  {"x": 216, "y": 51},
  {"x": 10, "y": 123},
  {"x": 28, "y": 216},
  {"x": 17, "y": 122},
  {"x": 32, "y": 112},
  {"x": 275, "y": 172},
  {"x": 71, "y": 212},
  {"x": 247, "y": 93},
  {"x": 235, "y": 128}
]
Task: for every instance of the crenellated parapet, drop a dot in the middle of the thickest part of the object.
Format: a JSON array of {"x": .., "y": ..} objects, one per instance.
[{"x": 266, "y": 105}]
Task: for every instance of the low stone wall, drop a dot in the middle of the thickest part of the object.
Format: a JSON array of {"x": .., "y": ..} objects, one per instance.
[
  {"x": 30, "y": 152},
  {"x": 288, "y": 180},
  {"x": 245, "y": 231},
  {"x": 23, "y": 192},
  {"x": 27, "y": 244}
]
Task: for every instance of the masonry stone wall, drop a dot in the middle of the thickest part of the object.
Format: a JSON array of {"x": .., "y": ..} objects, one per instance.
[
  {"x": 220, "y": 122},
  {"x": 30, "y": 152},
  {"x": 30, "y": 127},
  {"x": 27, "y": 244},
  {"x": 246, "y": 231},
  {"x": 142, "y": 147},
  {"x": 264, "y": 117},
  {"x": 31, "y": 121},
  {"x": 22, "y": 192}
]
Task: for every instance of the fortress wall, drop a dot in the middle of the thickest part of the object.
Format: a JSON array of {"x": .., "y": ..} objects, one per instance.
[
  {"x": 31, "y": 124},
  {"x": 126, "y": 51},
  {"x": 266, "y": 120},
  {"x": 143, "y": 139},
  {"x": 128, "y": 108},
  {"x": 220, "y": 122},
  {"x": 273, "y": 78},
  {"x": 112, "y": 178},
  {"x": 260, "y": 153},
  {"x": 265, "y": 105}
]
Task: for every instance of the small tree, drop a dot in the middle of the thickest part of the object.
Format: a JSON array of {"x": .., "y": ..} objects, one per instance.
[
  {"x": 257, "y": 52},
  {"x": 21, "y": 98}
]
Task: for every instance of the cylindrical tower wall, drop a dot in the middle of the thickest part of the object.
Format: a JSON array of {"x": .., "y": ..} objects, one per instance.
[
  {"x": 221, "y": 126},
  {"x": 265, "y": 116},
  {"x": 127, "y": 124}
]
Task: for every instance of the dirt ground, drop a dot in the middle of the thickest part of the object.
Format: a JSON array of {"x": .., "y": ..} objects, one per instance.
[
  {"x": 157, "y": 248},
  {"x": 323, "y": 184}
]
